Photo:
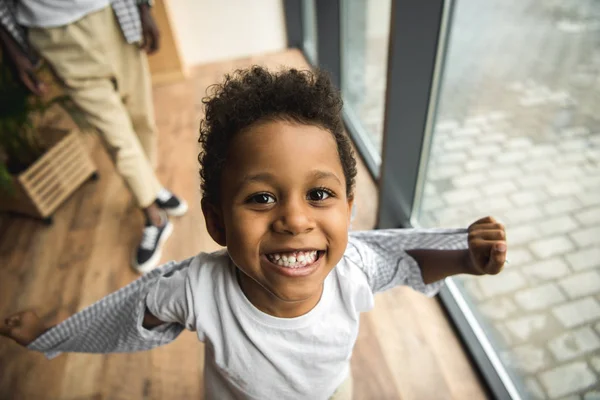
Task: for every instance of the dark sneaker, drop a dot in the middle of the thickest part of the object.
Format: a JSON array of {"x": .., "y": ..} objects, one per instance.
[
  {"x": 173, "y": 205},
  {"x": 147, "y": 256}
]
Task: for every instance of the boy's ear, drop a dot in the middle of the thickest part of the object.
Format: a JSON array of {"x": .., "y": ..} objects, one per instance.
[
  {"x": 214, "y": 222},
  {"x": 350, "y": 205}
]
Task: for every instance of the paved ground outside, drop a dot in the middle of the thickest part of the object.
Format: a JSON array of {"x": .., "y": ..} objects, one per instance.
[{"x": 518, "y": 137}]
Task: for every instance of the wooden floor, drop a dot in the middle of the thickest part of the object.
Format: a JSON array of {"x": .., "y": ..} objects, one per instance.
[{"x": 406, "y": 347}]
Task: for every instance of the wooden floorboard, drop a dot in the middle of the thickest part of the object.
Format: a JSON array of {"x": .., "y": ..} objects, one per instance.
[{"x": 406, "y": 347}]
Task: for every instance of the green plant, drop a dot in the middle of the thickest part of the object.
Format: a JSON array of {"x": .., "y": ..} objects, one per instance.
[{"x": 20, "y": 116}]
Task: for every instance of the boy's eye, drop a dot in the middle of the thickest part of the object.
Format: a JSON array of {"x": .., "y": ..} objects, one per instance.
[
  {"x": 318, "y": 195},
  {"x": 261, "y": 198}
]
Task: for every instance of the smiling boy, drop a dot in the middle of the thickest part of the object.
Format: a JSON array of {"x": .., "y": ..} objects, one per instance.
[{"x": 279, "y": 307}]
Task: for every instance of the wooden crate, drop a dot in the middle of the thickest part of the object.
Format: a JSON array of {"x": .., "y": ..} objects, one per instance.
[{"x": 46, "y": 184}]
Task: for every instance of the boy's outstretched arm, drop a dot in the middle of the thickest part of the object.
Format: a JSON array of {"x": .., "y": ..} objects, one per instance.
[{"x": 486, "y": 254}]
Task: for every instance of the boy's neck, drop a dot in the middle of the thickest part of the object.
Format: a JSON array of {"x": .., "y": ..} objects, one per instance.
[{"x": 272, "y": 305}]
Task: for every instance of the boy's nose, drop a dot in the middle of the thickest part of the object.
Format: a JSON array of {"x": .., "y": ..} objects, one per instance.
[{"x": 294, "y": 219}]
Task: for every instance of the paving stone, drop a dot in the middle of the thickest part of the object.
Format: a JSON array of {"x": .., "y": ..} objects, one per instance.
[
  {"x": 477, "y": 165},
  {"x": 546, "y": 248},
  {"x": 589, "y": 198},
  {"x": 574, "y": 343},
  {"x": 527, "y": 358},
  {"x": 518, "y": 257},
  {"x": 472, "y": 288},
  {"x": 432, "y": 203},
  {"x": 508, "y": 281},
  {"x": 588, "y": 236},
  {"x": 519, "y": 143},
  {"x": 546, "y": 270},
  {"x": 523, "y": 214},
  {"x": 524, "y": 328},
  {"x": 543, "y": 150},
  {"x": 540, "y": 297},
  {"x": 498, "y": 115},
  {"x": 451, "y": 157},
  {"x": 505, "y": 172},
  {"x": 469, "y": 179},
  {"x": 582, "y": 284},
  {"x": 475, "y": 120},
  {"x": 595, "y": 139},
  {"x": 573, "y": 158},
  {"x": 492, "y": 137},
  {"x": 464, "y": 214},
  {"x": 445, "y": 172},
  {"x": 461, "y": 196},
  {"x": 583, "y": 259},
  {"x": 430, "y": 189},
  {"x": 527, "y": 197},
  {"x": 564, "y": 172},
  {"x": 567, "y": 379},
  {"x": 499, "y": 188},
  {"x": 446, "y": 125},
  {"x": 534, "y": 390},
  {"x": 487, "y": 205},
  {"x": 511, "y": 157},
  {"x": 467, "y": 131},
  {"x": 497, "y": 308},
  {"x": 575, "y": 131},
  {"x": 577, "y": 312},
  {"x": 562, "y": 205},
  {"x": 564, "y": 188},
  {"x": 561, "y": 224},
  {"x": 521, "y": 234},
  {"x": 573, "y": 144},
  {"x": 484, "y": 150},
  {"x": 590, "y": 182},
  {"x": 531, "y": 181},
  {"x": 459, "y": 144},
  {"x": 539, "y": 164},
  {"x": 592, "y": 154},
  {"x": 591, "y": 216}
]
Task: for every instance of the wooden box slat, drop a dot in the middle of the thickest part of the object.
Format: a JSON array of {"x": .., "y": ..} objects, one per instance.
[{"x": 46, "y": 184}]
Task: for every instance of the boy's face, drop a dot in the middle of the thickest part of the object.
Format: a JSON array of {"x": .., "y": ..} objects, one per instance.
[{"x": 284, "y": 215}]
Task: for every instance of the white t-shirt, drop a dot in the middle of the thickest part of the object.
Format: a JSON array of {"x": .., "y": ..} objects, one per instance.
[
  {"x": 53, "y": 13},
  {"x": 252, "y": 355}
]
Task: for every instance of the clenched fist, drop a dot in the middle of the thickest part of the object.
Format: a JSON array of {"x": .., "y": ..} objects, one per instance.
[
  {"x": 487, "y": 246},
  {"x": 23, "y": 327}
]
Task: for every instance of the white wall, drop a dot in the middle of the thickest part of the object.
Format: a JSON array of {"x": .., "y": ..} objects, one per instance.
[{"x": 215, "y": 30}]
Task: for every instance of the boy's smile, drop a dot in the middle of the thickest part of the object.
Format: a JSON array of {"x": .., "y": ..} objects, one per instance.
[{"x": 284, "y": 214}]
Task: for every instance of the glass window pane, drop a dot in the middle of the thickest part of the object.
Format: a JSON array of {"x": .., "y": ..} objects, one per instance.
[
  {"x": 517, "y": 136},
  {"x": 309, "y": 25},
  {"x": 365, "y": 32}
]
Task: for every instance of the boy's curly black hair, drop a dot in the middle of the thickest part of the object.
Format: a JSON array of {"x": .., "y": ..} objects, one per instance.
[{"x": 255, "y": 95}]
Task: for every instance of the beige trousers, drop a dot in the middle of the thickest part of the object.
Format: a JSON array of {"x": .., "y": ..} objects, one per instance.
[
  {"x": 344, "y": 391},
  {"x": 109, "y": 80}
]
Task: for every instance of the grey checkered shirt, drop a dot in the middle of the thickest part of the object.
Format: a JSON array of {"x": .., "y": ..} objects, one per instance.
[
  {"x": 114, "y": 324},
  {"x": 126, "y": 11}
]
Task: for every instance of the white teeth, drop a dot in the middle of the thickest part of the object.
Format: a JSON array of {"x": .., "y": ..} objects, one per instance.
[{"x": 296, "y": 259}]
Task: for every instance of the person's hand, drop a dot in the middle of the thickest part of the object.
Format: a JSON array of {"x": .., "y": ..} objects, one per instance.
[
  {"x": 487, "y": 246},
  {"x": 150, "y": 32},
  {"x": 22, "y": 67},
  {"x": 23, "y": 327}
]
